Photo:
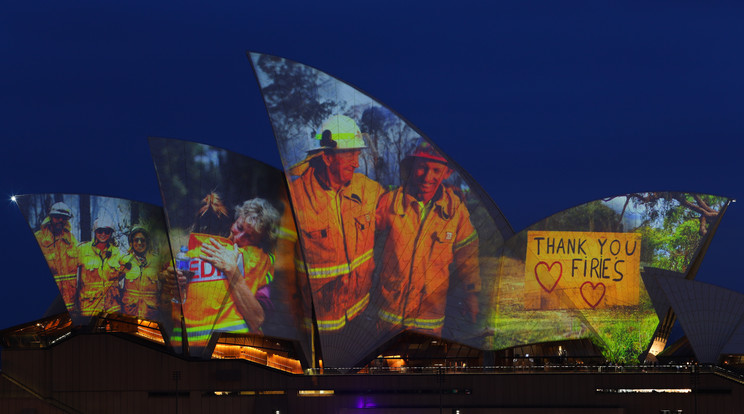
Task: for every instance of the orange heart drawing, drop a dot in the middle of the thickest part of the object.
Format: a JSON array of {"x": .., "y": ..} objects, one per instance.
[
  {"x": 550, "y": 273},
  {"x": 594, "y": 296}
]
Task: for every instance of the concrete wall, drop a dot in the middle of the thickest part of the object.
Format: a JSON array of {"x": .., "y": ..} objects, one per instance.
[{"x": 106, "y": 373}]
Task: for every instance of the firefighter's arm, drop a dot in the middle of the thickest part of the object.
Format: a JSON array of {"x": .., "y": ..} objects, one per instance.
[
  {"x": 245, "y": 301},
  {"x": 71, "y": 254},
  {"x": 125, "y": 263},
  {"x": 382, "y": 210},
  {"x": 112, "y": 268},
  {"x": 467, "y": 266}
]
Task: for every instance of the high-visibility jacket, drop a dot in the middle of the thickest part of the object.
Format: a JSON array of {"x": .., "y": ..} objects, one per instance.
[
  {"x": 423, "y": 247},
  {"x": 60, "y": 254},
  {"x": 140, "y": 297},
  {"x": 337, "y": 231},
  {"x": 208, "y": 306},
  {"x": 99, "y": 279}
]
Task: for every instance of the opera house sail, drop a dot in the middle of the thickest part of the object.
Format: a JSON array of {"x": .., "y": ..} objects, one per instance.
[{"x": 371, "y": 238}]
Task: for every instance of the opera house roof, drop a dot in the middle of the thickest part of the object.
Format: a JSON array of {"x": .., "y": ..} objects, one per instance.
[{"x": 369, "y": 236}]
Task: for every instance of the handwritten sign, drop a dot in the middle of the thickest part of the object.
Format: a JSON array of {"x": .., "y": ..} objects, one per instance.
[{"x": 581, "y": 270}]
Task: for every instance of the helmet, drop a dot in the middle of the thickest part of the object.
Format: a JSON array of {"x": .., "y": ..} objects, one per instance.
[
  {"x": 138, "y": 229},
  {"x": 103, "y": 222},
  {"x": 61, "y": 209},
  {"x": 340, "y": 132},
  {"x": 426, "y": 150}
]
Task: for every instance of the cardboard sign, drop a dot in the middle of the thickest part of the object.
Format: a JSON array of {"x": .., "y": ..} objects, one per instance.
[{"x": 581, "y": 270}]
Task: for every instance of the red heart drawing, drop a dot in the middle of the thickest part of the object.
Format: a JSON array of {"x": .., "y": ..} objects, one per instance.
[
  {"x": 549, "y": 267},
  {"x": 593, "y": 293}
]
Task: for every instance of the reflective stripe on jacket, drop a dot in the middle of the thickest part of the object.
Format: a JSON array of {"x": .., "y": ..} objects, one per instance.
[
  {"x": 99, "y": 273},
  {"x": 208, "y": 306},
  {"x": 140, "y": 297},
  {"x": 61, "y": 256},
  {"x": 337, "y": 231},
  {"x": 59, "y": 251},
  {"x": 422, "y": 249}
]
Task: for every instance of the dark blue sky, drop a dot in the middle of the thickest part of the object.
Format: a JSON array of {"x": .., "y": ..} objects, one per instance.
[{"x": 547, "y": 104}]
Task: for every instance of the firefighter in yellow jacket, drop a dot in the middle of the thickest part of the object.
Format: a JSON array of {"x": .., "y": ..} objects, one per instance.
[
  {"x": 335, "y": 209},
  {"x": 141, "y": 295},
  {"x": 58, "y": 245},
  {"x": 230, "y": 276},
  {"x": 98, "y": 262},
  {"x": 428, "y": 238}
]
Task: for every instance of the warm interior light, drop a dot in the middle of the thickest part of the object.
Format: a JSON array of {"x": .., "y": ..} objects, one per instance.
[
  {"x": 315, "y": 393},
  {"x": 645, "y": 390},
  {"x": 658, "y": 345}
]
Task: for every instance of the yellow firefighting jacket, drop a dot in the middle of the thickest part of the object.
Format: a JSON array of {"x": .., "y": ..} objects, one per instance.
[
  {"x": 60, "y": 254},
  {"x": 208, "y": 306},
  {"x": 140, "y": 297},
  {"x": 336, "y": 230},
  {"x": 423, "y": 248},
  {"x": 98, "y": 285}
]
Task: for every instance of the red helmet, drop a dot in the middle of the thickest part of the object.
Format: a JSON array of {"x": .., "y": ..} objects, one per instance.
[{"x": 427, "y": 151}]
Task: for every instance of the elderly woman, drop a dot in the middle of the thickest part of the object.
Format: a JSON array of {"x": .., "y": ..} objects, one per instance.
[{"x": 244, "y": 263}]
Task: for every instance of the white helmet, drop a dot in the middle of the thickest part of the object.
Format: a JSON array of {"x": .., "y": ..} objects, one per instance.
[
  {"x": 103, "y": 222},
  {"x": 60, "y": 209},
  {"x": 340, "y": 132}
]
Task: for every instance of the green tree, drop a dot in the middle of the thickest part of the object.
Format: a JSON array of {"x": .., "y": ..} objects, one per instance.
[
  {"x": 674, "y": 225},
  {"x": 292, "y": 95}
]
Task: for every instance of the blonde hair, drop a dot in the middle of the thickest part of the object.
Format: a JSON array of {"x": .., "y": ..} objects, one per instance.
[{"x": 264, "y": 218}]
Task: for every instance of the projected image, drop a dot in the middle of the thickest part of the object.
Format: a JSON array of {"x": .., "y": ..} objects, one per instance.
[
  {"x": 600, "y": 269},
  {"x": 387, "y": 221},
  {"x": 107, "y": 255},
  {"x": 234, "y": 240},
  {"x": 579, "y": 273}
]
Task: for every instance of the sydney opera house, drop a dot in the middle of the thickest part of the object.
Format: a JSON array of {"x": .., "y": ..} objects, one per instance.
[{"x": 371, "y": 275}]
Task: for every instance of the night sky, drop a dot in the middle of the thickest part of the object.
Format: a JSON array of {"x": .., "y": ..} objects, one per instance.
[{"x": 547, "y": 104}]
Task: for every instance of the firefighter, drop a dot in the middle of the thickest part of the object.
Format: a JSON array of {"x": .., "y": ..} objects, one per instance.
[
  {"x": 335, "y": 209},
  {"x": 98, "y": 268},
  {"x": 58, "y": 245},
  {"x": 428, "y": 239},
  {"x": 243, "y": 271},
  {"x": 141, "y": 268}
]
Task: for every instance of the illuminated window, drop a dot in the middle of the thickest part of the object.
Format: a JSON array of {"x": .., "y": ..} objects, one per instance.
[
  {"x": 315, "y": 393},
  {"x": 247, "y": 393},
  {"x": 228, "y": 351},
  {"x": 644, "y": 390}
]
